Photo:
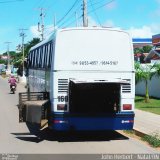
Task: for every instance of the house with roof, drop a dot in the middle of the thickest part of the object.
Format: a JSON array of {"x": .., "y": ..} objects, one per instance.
[
  {"x": 154, "y": 54},
  {"x": 152, "y": 57},
  {"x": 140, "y": 43}
]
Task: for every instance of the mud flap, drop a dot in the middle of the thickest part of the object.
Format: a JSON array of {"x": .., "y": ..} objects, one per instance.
[{"x": 35, "y": 112}]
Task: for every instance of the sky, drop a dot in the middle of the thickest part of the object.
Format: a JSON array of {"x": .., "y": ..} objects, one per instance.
[{"x": 139, "y": 17}]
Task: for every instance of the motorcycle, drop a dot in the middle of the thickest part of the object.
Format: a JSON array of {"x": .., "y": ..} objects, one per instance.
[{"x": 13, "y": 89}]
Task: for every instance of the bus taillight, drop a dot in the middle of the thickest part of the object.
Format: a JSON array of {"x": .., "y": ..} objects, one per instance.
[
  {"x": 62, "y": 107},
  {"x": 127, "y": 106},
  {"x": 59, "y": 121}
]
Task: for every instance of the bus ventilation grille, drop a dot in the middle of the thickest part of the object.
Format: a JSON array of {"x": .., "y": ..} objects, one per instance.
[
  {"x": 126, "y": 88},
  {"x": 62, "y": 85}
]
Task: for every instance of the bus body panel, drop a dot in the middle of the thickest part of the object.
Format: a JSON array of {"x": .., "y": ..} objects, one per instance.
[
  {"x": 101, "y": 122},
  {"x": 126, "y": 95},
  {"x": 39, "y": 80},
  {"x": 93, "y": 57},
  {"x": 93, "y": 49}
]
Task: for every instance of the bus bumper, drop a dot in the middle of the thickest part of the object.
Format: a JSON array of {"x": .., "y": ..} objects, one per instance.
[{"x": 120, "y": 121}]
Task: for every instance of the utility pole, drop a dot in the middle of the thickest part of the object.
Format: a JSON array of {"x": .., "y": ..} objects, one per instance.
[
  {"x": 8, "y": 57},
  {"x": 22, "y": 34},
  {"x": 85, "y": 19},
  {"x": 41, "y": 24}
]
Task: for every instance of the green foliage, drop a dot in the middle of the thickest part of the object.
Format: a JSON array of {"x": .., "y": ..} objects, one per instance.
[
  {"x": 138, "y": 50},
  {"x": 3, "y": 61},
  {"x": 153, "y": 139},
  {"x": 30, "y": 44},
  {"x": 144, "y": 49},
  {"x": 129, "y": 132},
  {"x": 144, "y": 73},
  {"x": 153, "y": 106},
  {"x": 147, "y": 49},
  {"x": 156, "y": 66},
  {"x": 17, "y": 58}
]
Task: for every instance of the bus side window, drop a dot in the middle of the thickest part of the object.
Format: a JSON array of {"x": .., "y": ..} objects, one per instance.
[
  {"x": 48, "y": 55},
  {"x": 40, "y": 57},
  {"x": 43, "y": 55},
  {"x": 32, "y": 57}
]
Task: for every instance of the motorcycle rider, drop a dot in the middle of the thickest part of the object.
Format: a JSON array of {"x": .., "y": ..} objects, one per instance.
[{"x": 12, "y": 81}]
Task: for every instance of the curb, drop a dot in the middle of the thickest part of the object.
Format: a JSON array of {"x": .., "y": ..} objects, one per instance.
[{"x": 139, "y": 133}]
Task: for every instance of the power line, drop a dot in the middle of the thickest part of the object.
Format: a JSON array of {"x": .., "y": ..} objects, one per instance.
[
  {"x": 95, "y": 3},
  {"x": 67, "y": 18},
  {"x": 70, "y": 17},
  {"x": 76, "y": 1},
  {"x": 101, "y": 6},
  {"x": 92, "y": 11},
  {"x": 81, "y": 16},
  {"x": 95, "y": 13},
  {"x": 74, "y": 20}
]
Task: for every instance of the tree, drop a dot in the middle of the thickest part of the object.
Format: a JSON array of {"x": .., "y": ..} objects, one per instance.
[
  {"x": 144, "y": 49},
  {"x": 2, "y": 61},
  {"x": 139, "y": 53},
  {"x": 147, "y": 49},
  {"x": 30, "y": 44},
  {"x": 138, "y": 50},
  {"x": 18, "y": 60},
  {"x": 144, "y": 73},
  {"x": 157, "y": 69},
  {"x": 12, "y": 55}
]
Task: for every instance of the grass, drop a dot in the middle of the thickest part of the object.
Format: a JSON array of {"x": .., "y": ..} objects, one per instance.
[
  {"x": 153, "y": 140},
  {"x": 152, "y": 106},
  {"x": 130, "y": 132}
]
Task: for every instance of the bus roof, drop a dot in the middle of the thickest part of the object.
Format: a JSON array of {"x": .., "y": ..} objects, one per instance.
[
  {"x": 90, "y": 48},
  {"x": 52, "y": 36}
]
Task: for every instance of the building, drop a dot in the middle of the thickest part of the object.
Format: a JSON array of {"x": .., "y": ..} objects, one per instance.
[
  {"x": 140, "y": 43},
  {"x": 154, "y": 54}
]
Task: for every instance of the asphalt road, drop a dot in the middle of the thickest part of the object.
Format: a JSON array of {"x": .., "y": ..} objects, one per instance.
[{"x": 18, "y": 138}]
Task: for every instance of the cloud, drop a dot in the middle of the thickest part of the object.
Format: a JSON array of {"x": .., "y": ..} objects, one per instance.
[
  {"x": 111, "y": 5},
  {"x": 92, "y": 22},
  {"x": 109, "y": 23},
  {"x": 34, "y": 31},
  {"x": 47, "y": 31},
  {"x": 158, "y": 1},
  {"x": 144, "y": 31}
]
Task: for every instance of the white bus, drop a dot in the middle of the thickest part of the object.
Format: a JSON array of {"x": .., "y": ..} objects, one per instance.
[{"x": 89, "y": 74}]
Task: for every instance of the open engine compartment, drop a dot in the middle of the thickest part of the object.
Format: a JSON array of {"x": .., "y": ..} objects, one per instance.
[{"x": 92, "y": 98}]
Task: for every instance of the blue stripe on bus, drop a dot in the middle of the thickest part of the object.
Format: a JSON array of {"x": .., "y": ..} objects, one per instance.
[{"x": 92, "y": 123}]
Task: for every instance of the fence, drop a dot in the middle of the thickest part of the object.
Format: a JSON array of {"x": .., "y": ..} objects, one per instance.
[{"x": 153, "y": 86}]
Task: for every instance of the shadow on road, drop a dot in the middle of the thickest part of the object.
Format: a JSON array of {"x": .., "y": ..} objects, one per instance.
[
  {"x": 37, "y": 135},
  {"x": 11, "y": 93}
]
